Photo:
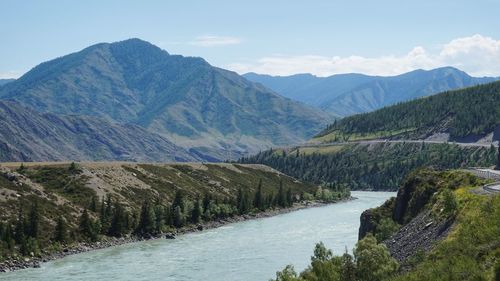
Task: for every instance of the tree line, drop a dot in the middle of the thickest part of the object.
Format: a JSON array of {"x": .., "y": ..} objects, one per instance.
[
  {"x": 378, "y": 167},
  {"x": 370, "y": 262}
]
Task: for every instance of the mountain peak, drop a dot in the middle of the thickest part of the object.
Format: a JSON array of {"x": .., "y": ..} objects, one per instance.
[{"x": 137, "y": 44}]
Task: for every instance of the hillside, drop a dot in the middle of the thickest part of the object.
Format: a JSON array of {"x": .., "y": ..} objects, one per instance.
[
  {"x": 214, "y": 111},
  {"x": 370, "y": 166},
  {"x": 65, "y": 204},
  {"x": 348, "y": 94},
  {"x": 437, "y": 228},
  {"x": 26, "y": 135},
  {"x": 464, "y": 115}
]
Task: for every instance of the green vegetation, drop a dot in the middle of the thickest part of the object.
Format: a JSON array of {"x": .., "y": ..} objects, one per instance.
[
  {"x": 471, "y": 251},
  {"x": 380, "y": 166},
  {"x": 45, "y": 208},
  {"x": 340, "y": 136},
  {"x": 371, "y": 262},
  {"x": 461, "y": 113}
]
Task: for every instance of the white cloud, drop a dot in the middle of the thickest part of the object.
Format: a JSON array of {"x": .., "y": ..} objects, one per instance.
[
  {"x": 213, "y": 41},
  {"x": 477, "y": 55},
  {"x": 10, "y": 74}
]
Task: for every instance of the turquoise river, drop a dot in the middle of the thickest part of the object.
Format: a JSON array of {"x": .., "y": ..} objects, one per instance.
[{"x": 249, "y": 250}]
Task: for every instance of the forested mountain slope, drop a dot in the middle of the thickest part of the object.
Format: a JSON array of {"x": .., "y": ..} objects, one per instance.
[
  {"x": 215, "y": 111},
  {"x": 377, "y": 166},
  {"x": 463, "y": 115},
  {"x": 348, "y": 94}
]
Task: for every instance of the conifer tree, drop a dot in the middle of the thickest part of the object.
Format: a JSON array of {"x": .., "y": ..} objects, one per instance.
[
  {"x": 281, "y": 196},
  {"x": 146, "y": 220},
  {"x": 33, "y": 221},
  {"x": 259, "y": 197},
  {"x": 20, "y": 227},
  {"x": 61, "y": 230},
  {"x": 178, "y": 218},
  {"x": 178, "y": 200},
  {"x": 197, "y": 211},
  {"x": 85, "y": 225}
]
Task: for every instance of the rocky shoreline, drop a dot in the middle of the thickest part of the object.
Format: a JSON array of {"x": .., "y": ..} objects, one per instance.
[{"x": 34, "y": 262}]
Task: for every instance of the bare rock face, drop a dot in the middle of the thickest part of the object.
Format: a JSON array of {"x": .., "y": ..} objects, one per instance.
[
  {"x": 419, "y": 235},
  {"x": 27, "y": 135}
]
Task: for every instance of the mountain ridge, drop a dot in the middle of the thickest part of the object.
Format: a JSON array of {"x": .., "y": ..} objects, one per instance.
[
  {"x": 184, "y": 99},
  {"x": 352, "y": 93}
]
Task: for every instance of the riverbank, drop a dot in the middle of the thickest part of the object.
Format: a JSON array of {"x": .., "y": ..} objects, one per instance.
[{"x": 34, "y": 262}]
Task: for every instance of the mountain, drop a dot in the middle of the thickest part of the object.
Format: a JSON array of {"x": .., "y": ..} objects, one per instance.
[
  {"x": 348, "y": 94},
  {"x": 215, "y": 111},
  {"x": 5, "y": 81},
  {"x": 466, "y": 115},
  {"x": 26, "y": 135}
]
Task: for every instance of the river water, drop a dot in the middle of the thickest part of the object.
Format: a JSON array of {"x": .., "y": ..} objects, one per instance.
[{"x": 249, "y": 250}]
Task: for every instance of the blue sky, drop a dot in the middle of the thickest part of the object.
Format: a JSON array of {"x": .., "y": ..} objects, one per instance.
[{"x": 275, "y": 36}]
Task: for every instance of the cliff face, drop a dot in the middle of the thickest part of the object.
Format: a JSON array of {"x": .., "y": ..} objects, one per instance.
[{"x": 370, "y": 219}]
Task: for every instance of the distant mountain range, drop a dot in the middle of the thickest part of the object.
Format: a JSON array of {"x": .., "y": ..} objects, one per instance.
[
  {"x": 348, "y": 94},
  {"x": 5, "y": 81},
  {"x": 212, "y": 113}
]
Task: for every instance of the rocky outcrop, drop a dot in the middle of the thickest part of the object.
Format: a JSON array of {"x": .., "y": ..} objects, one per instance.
[
  {"x": 419, "y": 235},
  {"x": 370, "y": 218}
]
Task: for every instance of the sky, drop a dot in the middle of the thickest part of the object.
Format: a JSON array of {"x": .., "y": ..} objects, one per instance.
[{"x": 276, "y": 37}]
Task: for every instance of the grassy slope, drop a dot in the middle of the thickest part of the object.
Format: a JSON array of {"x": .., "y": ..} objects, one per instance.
[{"x": 132, "y": 183}]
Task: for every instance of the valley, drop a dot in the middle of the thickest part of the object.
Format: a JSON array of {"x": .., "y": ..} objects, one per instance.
[{"x": 275, "y": 140}]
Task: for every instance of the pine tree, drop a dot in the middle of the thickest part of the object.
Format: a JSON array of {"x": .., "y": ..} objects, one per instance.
[
  {"x": 19, "y": 235},
  {"x": 85, "y": 225},
  {"x": 21, "y": 168},
  {"x": 289, "y": 197},
  {"x": 178, "y": 218},
  {"x": 281, "y": 196},
  {"x": 206, "y": 201},
  {"x": 33, "y": 221},
  {"x": 72, "y": 167},
  {"x": 178, "y": 200},
  {"x": 146, "y": 220},
  {"x": 197, "y": 211},
  {"x": 118, "y": 222},
  {"x": 61, "y": 230},
  {"x": 239, "y": 201},
  {"x": 8, "y": 237},
  {"x": 259, "y": 197}
]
